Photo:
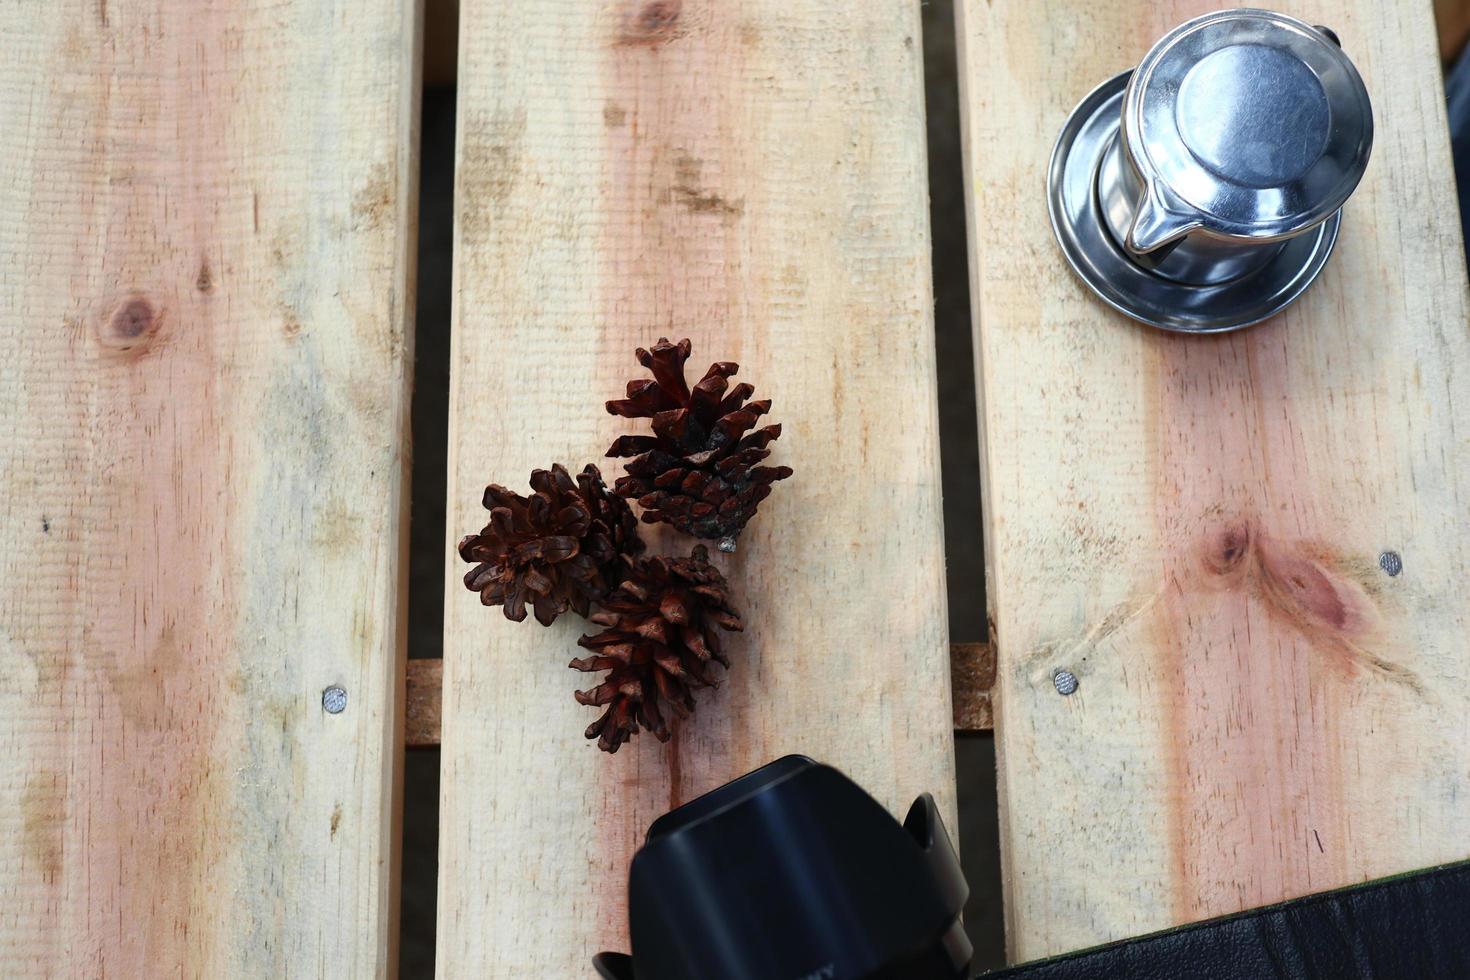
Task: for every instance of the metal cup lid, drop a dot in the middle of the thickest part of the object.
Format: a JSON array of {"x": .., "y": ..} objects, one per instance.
[{"x": 1246, "y": 125}]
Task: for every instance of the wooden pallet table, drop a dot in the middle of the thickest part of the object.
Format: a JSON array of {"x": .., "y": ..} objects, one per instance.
[{"x": 1248, "y": 549}]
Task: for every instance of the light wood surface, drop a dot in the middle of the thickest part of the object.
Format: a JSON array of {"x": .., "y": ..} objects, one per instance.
[
  {"x": 1193, "y": 526},
  {"x": 972, "y": 672},
  {"x": 205, "y": 258},
  {"x": 751, "y": 175}
]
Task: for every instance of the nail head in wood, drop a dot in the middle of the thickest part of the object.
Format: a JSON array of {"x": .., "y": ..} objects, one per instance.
[
  {"x": 1065, "y": 681},
  {"x": 334, "y": 699},
  {"x": 1391, "y": 563}
]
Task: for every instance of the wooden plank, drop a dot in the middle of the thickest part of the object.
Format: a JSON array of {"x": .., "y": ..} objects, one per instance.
[
  {"x": 971, "y": 671},
  {"x": 749, "y": 174},
  {"x": 1193, "y": 525},
  {"x": 205, "y": 252}
]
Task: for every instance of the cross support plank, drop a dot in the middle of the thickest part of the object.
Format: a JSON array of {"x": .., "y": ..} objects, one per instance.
[{"x": 972, "y": 672}]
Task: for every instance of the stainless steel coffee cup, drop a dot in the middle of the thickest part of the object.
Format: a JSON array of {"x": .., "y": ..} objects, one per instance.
[{"x": 1203, "y": 190}]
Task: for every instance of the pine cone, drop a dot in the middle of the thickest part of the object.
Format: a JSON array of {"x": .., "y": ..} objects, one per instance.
[
  {"x": 565, "y": 546},
  {"x": 658, "y": 641},
  {"x": 698, "y": 470}
]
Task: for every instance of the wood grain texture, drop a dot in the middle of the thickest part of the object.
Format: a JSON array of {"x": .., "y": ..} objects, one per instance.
[
  {"x": 972, "y": 676},
  {"x": 749, "y": 174},
  {"x": 423, "y": 703},
  {"x": 205, "y": 258},
  {"x": 1193, "y": 525}
]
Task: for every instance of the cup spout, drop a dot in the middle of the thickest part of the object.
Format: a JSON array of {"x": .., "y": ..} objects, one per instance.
[{"x": 1159, "y": 223}]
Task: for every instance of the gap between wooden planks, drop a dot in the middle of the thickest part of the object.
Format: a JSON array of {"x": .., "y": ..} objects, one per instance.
[{"x": 971, "y": 671}]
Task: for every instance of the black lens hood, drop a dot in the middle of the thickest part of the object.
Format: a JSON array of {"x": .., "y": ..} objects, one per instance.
[{"x": 792, "y": 872}]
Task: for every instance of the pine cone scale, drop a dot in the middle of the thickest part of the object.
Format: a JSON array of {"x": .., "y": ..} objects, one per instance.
[
  {"x": 667, "y": 364},
  {"x": 736, "y": 398},
  {"x": 633, "y": 445},
  {"x": 536, "y": 582}
]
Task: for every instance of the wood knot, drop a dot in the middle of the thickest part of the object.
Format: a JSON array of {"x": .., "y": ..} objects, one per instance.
[
  {"x": 1304, "y": 587},
  {"x": 1226, "y": 550},
  {"x": 132, "y": 324},
  {"x": 204, "y": 282},
  {"x": 652, "y": 23}
]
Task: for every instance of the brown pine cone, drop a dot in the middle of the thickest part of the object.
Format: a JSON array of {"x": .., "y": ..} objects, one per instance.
[
  {"x": 565, "y": 546},
  {"x": 657, "y": 644},
  {"x": 698, "y": 470}
]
